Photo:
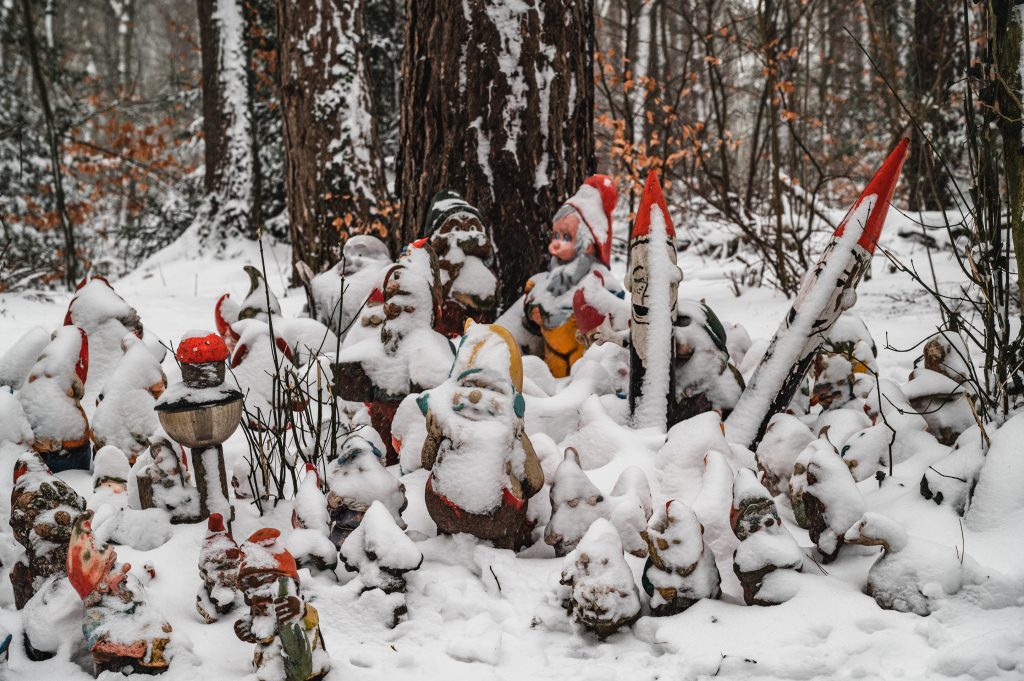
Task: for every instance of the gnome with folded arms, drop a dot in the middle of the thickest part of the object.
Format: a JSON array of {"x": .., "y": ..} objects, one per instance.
[
  {"x": 581, "y": 244},
  {"x": 483, "y": 469}
]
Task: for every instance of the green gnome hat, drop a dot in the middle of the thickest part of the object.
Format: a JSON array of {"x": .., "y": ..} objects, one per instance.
[{"x": 445, "y": 204}]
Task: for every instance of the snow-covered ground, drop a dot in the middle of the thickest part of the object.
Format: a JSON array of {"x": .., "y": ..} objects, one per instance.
[{"x": 481, "y": 613}]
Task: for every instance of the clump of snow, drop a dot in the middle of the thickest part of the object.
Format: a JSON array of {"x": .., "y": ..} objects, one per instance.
[
  {"x": 952, "y": 480},
  {"x": 53, "y": 618},
  {"x": 680, "y": 462},
  {"x": 18, "y": 360},
  {"x": 14, "y": 426},
  {"x": 308, "y": 542},
  {"x": 785, "y": 438},
  {"x": 998, "y": 494}
]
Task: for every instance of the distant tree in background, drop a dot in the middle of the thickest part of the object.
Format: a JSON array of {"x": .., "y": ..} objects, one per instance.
[
  {"x": 335, "y": 178},
  {"x": 497, "y": 104},
  {"x": 231, "y": 205}
]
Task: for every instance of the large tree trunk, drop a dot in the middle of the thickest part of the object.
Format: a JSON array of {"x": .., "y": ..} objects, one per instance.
[
  {"x": 334, "y": 175},
  {"x": 498, "y": 105},
  {"x": 230, "y": 181}
]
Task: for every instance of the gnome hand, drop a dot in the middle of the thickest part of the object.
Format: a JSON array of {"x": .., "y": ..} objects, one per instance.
[{"x": 287, "y": 608}]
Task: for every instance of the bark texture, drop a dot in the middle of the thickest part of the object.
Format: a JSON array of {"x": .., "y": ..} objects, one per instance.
[
  {"x": 498, "y": 105},
  {"x": 333, "y": 171},
  {"x": 231, "y": 171}
]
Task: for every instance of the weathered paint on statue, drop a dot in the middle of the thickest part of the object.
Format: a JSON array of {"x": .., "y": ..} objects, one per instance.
[{"x": 581, "y": 235}]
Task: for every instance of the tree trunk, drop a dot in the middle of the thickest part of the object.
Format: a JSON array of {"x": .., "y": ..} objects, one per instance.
[
  {"x": 498, "y": 105},
  {"x": 334, "y": 175},
  {"x": 1008, "y": 57},
  {"x": 228, "y": 210}
]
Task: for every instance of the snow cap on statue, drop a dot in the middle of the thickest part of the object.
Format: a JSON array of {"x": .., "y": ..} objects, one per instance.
[
  {"x": 264, "y": 553},
  {"x": 652, "y": 197},
  {"x": 594, "y": 202}
]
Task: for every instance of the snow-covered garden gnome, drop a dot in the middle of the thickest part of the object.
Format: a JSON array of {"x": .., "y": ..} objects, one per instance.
[
  {"x": 120, "y": 628},
  {"x": 576, "y": 503},
  {"x": 340, "y": 292},
  {"x": 124, "y": 414},
  {"x": 259, "y": 303},
  {"x": 51, "y": 398},
  {"x": 705, "y": 379},
  {"x": 681, "y": 567},
  {"x": 382, "y": 554},
  {"x": 652, "y": 278},
  {"x": 201, "y": 412},
  {"x": 408, "y": 356},
  {"x": 597, "y": 583},
  {"x": 308, "y": 541},
  {"x": 466, "y": 256},
  {"x": 581, "y": 243},
  {"x": 219, "y": 559},
  {"x": 765, "y": 545},
  {"x": 162, "y": 481},
  {"x": 285, "y": 629},
  {"x": 483, "y": 468},
  {"x": 831, "y": 501},
  {"x": 355, "y": 480},
  {"x": 43, "y": 512},
  {"x": 106, "y": 318}
]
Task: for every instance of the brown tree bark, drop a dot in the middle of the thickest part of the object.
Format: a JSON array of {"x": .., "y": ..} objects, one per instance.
[
  {"x": 498, "y": 105},
  {"x": 231, "y": 169},
  {"x": 333, "y": 170}
]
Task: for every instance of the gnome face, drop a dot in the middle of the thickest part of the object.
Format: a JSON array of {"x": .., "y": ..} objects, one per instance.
[
  {"x": 754, "y": 515},
  {"x": 564, "y": 232},
  {"x": 480, "y": 395}
]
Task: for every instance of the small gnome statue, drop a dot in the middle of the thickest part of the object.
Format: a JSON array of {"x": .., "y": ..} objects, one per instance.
[
  {"x": 309, "y": 542},
  {"x": 201, "y": 412},
  {"x": 259, "y": 303},
  {"x": 382, "y": 554},
  {"x": 483, "y": 468},
  {"x": 407, "y": 356},
  {"x": 285, "y": 629},
  {"x": 355, "y": 480},
  {"x": 121, "y": 629},
  {"x": 766, "y": 547},
  {"x": 218, "y": 567},
  {"x": 705, "y": 379},
  {"x": 576, "y": 503},
  {"x": 339, "y": 293},
  {"x": 581, "y": 243},
  {"x": 163, "y": 482},
  {"x": 597, "y": 583},
  {"x": 681, "y": 567},
  {"x": 106, "y": 318},
  {"x": 465, "y": 253},
  {"x": 832, "y": 501},
  {"x": 51, "y": 398},
  {"x": 43, "y": 512}
]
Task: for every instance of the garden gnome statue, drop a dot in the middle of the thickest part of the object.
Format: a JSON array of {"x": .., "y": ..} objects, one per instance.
[
  {"x": 465, "y": 253},
  {"x": 201, "y": 413},
  {"x": 285, "y": 629},
  {"x": 43, "y": 511},
  {"x": 483, "y": 466},
  {"x": 407, "y": 356},
  {"x": 51, "y": 398},
  {"x": 120, "y": 628},
  {"x": 218, "y": 567},
  {"x": 581, "y": 243},
  {"x": 652, "y": 278}
]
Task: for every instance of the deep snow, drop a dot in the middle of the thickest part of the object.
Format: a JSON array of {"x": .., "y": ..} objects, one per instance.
[{"x": 480, "y": 613}]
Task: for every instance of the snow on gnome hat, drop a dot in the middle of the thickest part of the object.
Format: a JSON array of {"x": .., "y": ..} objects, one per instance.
[
  {"x": 594, "y": 202},
  {"x": 479, "y": 344},
  {"x": 445, "y": 204},
  {"x": 262, "y": 552}
]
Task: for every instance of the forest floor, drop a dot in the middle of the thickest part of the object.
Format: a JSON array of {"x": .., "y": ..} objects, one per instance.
[{"x": 480, "y": 613}]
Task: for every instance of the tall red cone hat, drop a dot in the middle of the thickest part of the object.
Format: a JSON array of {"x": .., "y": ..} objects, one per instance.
[
  {"x": 652, "y": 196},
  {"x": 882, "y": 186}
]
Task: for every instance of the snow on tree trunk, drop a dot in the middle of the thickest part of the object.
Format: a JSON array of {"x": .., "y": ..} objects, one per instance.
[
  {"x": 334, "y": 174},
  {"x": 228, "y": 208},
  {"x": 497, "y": 90}
]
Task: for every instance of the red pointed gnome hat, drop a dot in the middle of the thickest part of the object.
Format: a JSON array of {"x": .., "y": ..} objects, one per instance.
[
  {"x": 881, "y": 186},
  {"x": 594, "y": 202},
  {"x": 652, "y": 197}
]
